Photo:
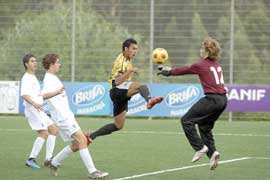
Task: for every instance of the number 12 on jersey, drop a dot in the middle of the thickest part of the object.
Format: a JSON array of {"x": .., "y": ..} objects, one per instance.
[{"x": 216, "y": 71}]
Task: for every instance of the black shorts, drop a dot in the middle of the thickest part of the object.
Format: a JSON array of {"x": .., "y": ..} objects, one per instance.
[
  {"x": 207, "y": 110},
  {"x": 120, "y": 100}
]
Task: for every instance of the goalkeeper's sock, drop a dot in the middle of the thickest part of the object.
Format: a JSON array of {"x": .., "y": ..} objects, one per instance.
[
  {"x": 107, "y": 129},
  {"x": 144, "y": 91}
]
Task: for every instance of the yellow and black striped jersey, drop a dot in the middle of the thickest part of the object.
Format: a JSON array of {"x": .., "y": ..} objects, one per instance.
[{"x": 120, "y": 66}]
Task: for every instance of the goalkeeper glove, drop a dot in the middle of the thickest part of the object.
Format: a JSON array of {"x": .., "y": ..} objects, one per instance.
[{"x": 164, "y": 70}]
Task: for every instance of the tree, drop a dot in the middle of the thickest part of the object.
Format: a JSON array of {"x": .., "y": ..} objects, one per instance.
[{"x": 97, "y": 42}]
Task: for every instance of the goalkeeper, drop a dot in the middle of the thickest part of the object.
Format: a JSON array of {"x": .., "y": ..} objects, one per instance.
[{"x": 207, "y": 110}]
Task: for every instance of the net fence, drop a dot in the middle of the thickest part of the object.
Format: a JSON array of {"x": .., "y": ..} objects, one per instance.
[{"x": 88, "y": 34}]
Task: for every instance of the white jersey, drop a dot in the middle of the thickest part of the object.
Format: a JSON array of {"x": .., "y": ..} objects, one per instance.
[
  {"x": 31, "y": 87},
  {"x": 58, "y": 105}
]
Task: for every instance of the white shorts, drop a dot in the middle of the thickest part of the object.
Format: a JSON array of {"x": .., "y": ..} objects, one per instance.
[
  {"x": 67, "y": 128},
  {"x": 38, "y": 120},
  {"x": 124, "y": 85}
]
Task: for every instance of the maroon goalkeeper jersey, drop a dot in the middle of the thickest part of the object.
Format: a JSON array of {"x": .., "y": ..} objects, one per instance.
[{"x": 210, "y": 74}]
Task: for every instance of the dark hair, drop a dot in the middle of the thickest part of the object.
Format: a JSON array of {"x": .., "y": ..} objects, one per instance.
[
  {"x": 128, "y": 42},
  {"x": 26, "y": 59},
  {"x": 48, "y": 60}
]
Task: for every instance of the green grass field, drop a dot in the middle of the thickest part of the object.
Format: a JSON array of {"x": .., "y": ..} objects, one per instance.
[{"x": 143, "y": 147}]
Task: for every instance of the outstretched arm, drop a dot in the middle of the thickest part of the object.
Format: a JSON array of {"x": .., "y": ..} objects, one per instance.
[
  {"x": 182, "y": 71},
  {"x": 178, "y": 71}
]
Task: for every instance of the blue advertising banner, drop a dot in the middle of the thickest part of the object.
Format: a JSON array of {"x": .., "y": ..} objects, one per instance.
[
  {"x": 178, "y": 98},
  {"x": 89, "y": 98},
  {"x": 86, "y": 98}
]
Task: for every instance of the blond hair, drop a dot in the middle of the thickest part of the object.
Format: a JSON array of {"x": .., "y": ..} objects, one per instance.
[{"x": 212, "y": 46}]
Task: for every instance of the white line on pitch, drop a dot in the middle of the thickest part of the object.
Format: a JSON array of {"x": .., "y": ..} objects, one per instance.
[
  {"x": 17, "y": 130},
  {"x": 261, "y": 158},
  {"x": 156, "y": 132},
  {"x": 217, "y": 134},
  {"x": 180, "y": 168}
]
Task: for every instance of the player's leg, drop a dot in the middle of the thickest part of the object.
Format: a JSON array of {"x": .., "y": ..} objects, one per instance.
[
  {"x": 67, "y": 128},
  {"x": 205, "y": 113},
  {"x": 37, "y": 146},
  {"x": 194, "y": 116},
  {"x": 119, "y": 121},
  {"x": 50, "y": 143},
  {"x": 57, "y": 160},
  {"x": 219, "y": 103},
  {"x": 206, "y": 129},
  {"x": 36, "y": 123},
  {"x": 120, "y": 106},
  {"x": 86, "y": 157},
  {"x": 207, "y": 137},
  {"x": 206, "y": 132},
  {"x": 68, "y": 150},
  {"x": 135, "y": 88},
  {"x": 198, "y": 114}
]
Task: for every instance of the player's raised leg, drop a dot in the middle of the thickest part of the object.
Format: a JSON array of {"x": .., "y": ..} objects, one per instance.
[{"x": 135, "y": 88}]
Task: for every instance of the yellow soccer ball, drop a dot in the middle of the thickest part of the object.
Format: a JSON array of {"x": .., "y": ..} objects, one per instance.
[{"x": 160, "y": 56}]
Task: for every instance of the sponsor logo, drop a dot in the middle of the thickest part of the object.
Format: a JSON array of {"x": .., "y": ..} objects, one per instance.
[
  {"x": 183, "y": 96},
  {"x": 88, "y": 95},
  {"x": 246, "y": 94},
  {"x": 136, "y": 100}
]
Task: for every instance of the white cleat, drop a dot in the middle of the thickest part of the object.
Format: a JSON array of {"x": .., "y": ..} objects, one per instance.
[
  {"x": 98, "y": 175},
  {"x": 199, "y": 154},
  {"x": 214, "y": 160}
]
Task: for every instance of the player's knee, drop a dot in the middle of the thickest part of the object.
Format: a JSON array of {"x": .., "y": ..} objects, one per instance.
[
  {"x": 119, "y": 127},
  {"x": 139, "y": 85},
  {"x": 82, "y": 140},
  {"x": 44, "y": 134},
  {"x": 81, "y": 143},
  {"x": 142, "y": 86},
  {"x": 136, "y": 86},
  {"x": 74, "y": 147},
  {"x": 53, "y": 130}
]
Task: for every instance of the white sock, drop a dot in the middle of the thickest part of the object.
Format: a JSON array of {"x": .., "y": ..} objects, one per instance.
[
  {"x": 56, "y": 161},
  {"x": 87, "y": 159},
  {"x": 50, "y": 146},
  {"x": 37, "y": 147}
]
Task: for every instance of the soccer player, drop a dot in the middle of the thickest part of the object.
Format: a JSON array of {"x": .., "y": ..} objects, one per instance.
[
  {"x": 206, "y": 111},
  {"x": 37, "y": 119},
  {"x": 122, "y": 89},
  {"x": 64, "y": 119}
]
